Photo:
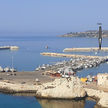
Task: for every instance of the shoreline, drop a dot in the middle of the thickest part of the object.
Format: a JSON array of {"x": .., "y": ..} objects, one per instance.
[
  {"x": 48, "y": 87},
  {"x": 29, "y": 89}
]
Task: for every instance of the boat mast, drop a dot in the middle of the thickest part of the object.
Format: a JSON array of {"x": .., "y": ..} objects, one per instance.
[{"x": 12, "y": 66}]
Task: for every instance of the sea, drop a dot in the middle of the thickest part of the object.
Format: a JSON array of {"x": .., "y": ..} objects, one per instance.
[{"x": 28, "y": 58}]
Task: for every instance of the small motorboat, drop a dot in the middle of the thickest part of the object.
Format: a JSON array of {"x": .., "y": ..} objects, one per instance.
[
  {"x": 12, "y": 70},
  {"x": 7, "y": 69},
  {"x": 46, "y": 46},
  {"x": 1, "y": 69}
]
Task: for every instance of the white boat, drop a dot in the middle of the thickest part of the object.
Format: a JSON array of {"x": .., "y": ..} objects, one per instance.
[
  {"x": 14, "y": 47},
  {"x": 12, "y": 70},
  {"x": 1, "y": 69},
  {"x": 6, "y": 69}
]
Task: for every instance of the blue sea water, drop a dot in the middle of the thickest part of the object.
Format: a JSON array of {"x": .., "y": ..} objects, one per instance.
[
  {"x": 28, "y": 57},
  {"x": 9, "y": 101}
]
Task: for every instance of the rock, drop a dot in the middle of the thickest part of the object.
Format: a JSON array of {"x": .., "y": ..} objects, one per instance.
[
  {"x": 93, "y": 92},
  {"x": 62, "y": 88},
  {"x": 101, "y": 95},
  {"x": 104, "y": 100}
]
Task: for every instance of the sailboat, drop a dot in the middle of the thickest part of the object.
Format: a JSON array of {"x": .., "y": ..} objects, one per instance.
[{"x": 12, "y": 69}]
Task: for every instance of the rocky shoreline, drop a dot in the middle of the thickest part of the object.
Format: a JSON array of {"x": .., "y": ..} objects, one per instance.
[
  {"x": 90, "y": 34},
  {"x": 63, "y": 89},
  {"x": 47, "y": 87},
  {"x": 100, "y": 95}
]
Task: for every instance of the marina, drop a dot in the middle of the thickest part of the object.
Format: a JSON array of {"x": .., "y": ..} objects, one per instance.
[
  {"x": 7, "y": 69},
  {"x": 72, "y": 66}
]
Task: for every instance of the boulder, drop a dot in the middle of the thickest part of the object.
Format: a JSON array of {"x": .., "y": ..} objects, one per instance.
[
  {"x": 104, "y": 100},
  {"x": 99, "y": 94},
  {"x": 62, "y": 89}
]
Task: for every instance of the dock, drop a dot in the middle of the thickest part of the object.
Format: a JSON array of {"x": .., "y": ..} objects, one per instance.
[
  {"x": 9, "y": 47},
  {"x": 95, "y": 49},
  {"x": 67, "y": 55}
]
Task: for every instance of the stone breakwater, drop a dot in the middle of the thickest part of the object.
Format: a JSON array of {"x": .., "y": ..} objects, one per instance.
[
  {"x": 76, "y": 63},
  {"x": 9, "y": 47},
  {"x": 96, "y": 49},
  {"x": 67, "y": 55}
]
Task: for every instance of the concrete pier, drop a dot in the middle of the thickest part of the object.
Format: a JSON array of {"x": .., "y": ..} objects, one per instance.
[
  {"x": 105, "y": 49},
  {"x": 9, "y": 47},
  {"x": 67, "y": 55}
]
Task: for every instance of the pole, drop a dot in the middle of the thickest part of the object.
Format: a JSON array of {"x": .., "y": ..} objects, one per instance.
[
  {"x": 100, "y": 37},
  {"x": 12, "y": 66}
]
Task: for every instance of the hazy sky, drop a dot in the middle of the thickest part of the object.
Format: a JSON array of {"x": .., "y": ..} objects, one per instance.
[{"x": 51, "y": 16}]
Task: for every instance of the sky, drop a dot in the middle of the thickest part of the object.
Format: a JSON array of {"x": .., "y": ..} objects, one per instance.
[{"x": 51, "y": 17}]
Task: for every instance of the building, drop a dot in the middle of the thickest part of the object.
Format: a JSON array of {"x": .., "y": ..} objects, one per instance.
[{"x": 102, "y": 80}]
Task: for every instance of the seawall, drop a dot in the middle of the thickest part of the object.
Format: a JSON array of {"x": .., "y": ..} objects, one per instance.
[
  {"x": 67, "y": 55},
  {"x": 96, "y": 49}
]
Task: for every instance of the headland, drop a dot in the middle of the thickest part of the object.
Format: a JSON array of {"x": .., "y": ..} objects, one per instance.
[{"x": 89, "y": 33}]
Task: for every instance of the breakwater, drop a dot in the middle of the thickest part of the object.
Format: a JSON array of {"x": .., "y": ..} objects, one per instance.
[
  {"x": 9, "y": 47},
  {"x": 67, "y": 55},
  {"x": 96, "y": 49},
  {"x": 72, "y": 66}
]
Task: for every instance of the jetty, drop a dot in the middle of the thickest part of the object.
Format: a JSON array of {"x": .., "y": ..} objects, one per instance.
[
  {"x": 9, "y": 47},
  {"x": 95, "y": 49},
  {"x": 67, "y": 55}
]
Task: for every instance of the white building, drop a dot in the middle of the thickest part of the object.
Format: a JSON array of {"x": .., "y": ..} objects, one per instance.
[{"x": 102, "y": 80}]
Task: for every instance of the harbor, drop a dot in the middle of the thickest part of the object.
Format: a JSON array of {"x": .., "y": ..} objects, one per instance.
[
  {"x": 47, "y": 81},
  {"x": 72, "y": 66},
  {"x": 57, "y": 80}
]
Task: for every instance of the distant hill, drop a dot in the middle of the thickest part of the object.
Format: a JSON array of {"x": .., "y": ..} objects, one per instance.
[{"x": 89, "y": 33}]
